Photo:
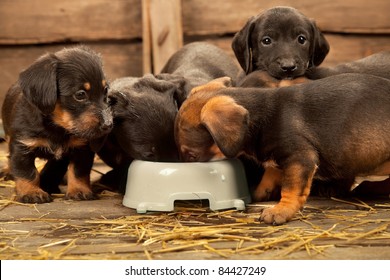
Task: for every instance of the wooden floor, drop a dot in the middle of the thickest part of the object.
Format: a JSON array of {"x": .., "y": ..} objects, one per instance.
[{"x": 105, "y": 229}]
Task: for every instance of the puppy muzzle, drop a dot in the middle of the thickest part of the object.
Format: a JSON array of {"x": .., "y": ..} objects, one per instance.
[{"x": 107, "y": 121}]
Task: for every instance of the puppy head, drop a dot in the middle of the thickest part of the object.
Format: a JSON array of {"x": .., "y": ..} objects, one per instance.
[
  {"x": 144, "y": 113},
  {"x": 69, "y": 86},
  {"x": 210, "y": 126},
  {"x": 281, "y": 41}
]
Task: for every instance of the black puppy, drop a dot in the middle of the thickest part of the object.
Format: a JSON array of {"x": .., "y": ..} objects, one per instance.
[
  {"x": 58, "y": 105},
  {"x": 334, "y": 128},
  {"x": 280, "y": 41},
  {"x": 144, "y": 111}
]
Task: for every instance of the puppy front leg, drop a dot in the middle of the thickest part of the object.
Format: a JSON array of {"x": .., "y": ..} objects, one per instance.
[
  {"x": 26, "y": 176},
  {"x": 270, "y": 182},
  {"x": 79, "y": 186},
  {"x": 296, "y": 183}
]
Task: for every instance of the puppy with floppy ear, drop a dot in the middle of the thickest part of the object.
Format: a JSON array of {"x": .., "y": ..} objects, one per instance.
[
  {"x": 58, "y": 105},
  {"x": 280, "y": 41},
  {"x": 288, "y": 129},
  {"x": 144, "y": 112}
]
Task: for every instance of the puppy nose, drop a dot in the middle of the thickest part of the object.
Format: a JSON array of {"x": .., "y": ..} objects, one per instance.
[
  {"x": 107, "y": 126},
  {"x": 288, "y": 65},
  {"x": 108, "y": 121}
]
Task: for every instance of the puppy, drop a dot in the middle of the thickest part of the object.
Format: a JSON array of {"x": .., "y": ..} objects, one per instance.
[
  {"x": 280, "y": 41},
  {"x": 377, "y": 64},
  {"x": 144, "y": 112},
  {"x": 58, "y": 105},
  {"x": 198, "y": 63},
  {"x": 330, "y": 129}
]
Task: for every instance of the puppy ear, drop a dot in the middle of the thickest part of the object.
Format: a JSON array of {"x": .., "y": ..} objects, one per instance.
[
  {"x": 320, "y": 46},
  {"x": 242, "y": 45},
  {"x": 39, "y": 83},
  {"x": 182, "y": 89},
  {"x": 227, "y": 123}
]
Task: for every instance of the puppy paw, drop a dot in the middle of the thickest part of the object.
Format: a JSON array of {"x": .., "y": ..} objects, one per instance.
[
  {"x": 37, "y": 196},
  {"x": 80, "y": 195},
  {"x": 277, "y": 215}
]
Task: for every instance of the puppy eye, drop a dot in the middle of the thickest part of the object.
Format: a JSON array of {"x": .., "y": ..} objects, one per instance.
[
  {"x": 80, "y": 95},
  {"x": 266, "y": 41},
  {"x": 106, "y": 89},
  {"x": 301, "y": 39}
]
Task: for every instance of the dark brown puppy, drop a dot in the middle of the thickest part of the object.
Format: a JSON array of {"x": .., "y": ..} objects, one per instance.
[
  {"x": 198, "y": 63},
  {"x": 144, "y": 112},
  {"x": 377, "y": 64},
  {"x": 58, "y": 105},
  {"x": 281, "y": 41},
  {"x": 331, "y": 129}
]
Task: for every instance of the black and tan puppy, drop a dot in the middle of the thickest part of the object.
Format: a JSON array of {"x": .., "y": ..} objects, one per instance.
[
  {"x": 280, "y": 41},
  {"x": 377, "y": 64},
  {"x": 58, "y": 105},
  {"x": 331, "y": 129}
]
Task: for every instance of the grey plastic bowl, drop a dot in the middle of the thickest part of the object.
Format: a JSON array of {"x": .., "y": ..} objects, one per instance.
[{"x": 155, "y": 186}]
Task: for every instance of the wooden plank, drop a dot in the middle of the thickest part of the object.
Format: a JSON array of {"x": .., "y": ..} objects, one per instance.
[
  {"x": 45, "y": 21},
  {"x": 146, "y": 38},
  {"x": 120, "y": 59},
  {"x": 202, "y": 17},
  {"x": 166, "y": 30}
]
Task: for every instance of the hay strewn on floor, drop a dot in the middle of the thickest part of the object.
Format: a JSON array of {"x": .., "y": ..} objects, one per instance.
[{"x": 192, "y": 228}]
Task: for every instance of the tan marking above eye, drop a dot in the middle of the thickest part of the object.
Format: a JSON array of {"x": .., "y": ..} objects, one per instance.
[
  {"x": 104, "y": 83},
  {"x": 87, "y": 86}
]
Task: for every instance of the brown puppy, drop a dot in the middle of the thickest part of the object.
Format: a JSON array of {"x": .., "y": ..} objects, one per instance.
[
  {"x": 58, "y": 105},
  {"x": 331, "y": 129},
  {"x": 377, "y": 64},
  {"x": 280, "y": 41}
]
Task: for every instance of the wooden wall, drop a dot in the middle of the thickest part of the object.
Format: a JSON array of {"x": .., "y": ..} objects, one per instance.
[{"x": 354, "y": 28}]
